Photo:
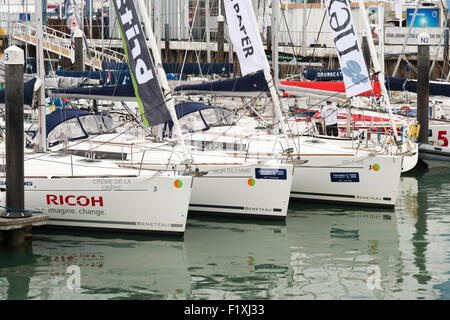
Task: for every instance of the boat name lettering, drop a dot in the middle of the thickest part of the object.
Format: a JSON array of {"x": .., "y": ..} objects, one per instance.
[
  {"x": 63, "y": 211},
  {"x": 72, "y": 200},
  {"x": 348, "y": 162},
  {"x": 368, "y": 198},
  {"x": 231, "y": 170},
  {"x": 111, "y": 181}
]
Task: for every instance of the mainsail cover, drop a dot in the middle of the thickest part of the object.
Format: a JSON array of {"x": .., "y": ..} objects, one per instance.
[
  {"x": 28, "y": 91},
  {"x": 401, "y": 84},
  {"x": 124, "y": 92},
  {"x": 110, "y": 77},
  {"x": 251, "y": 84},
  {"x": 146, "y": 86}
]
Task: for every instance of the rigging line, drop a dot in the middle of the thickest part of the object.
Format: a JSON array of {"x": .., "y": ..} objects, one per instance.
[
  {"x": 290, "y": 38},
  {"x": 110, "y": 38},
  {"x": 120, "y": 125},
  {"x": 224, "y": 133},
  {"x": 38, "y": 158},
  {"x": 189, "y": 39},
  {"x": 446, "y": 26},
  {"x": 91, "y": 138},
  {"x": 285, "y": 118},
  {"x": 334, "y": 94},
  {"x": 318, "y": 35}
]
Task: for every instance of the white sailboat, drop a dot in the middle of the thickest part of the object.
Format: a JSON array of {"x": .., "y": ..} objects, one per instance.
[
  {"x": 77, "y": 192},
  {"x": 324, "y": 171},
  {"x": 222, "y": 184}
]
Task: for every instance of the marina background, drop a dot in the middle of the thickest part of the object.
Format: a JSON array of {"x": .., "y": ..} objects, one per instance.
[{"x": 188, "y": 31}]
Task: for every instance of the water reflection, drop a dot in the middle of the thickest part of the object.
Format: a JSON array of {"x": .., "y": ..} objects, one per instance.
[
  {"x": 425, "y": 224},
  {"x": 14, "y": 284},
  {"x": 236, "y": 260},
  {"x": 110, "y": 268},
  {"x": 342, "y": 253},
  {"x": 419, "y": 237},
  {"x": 320, "y": 252}
]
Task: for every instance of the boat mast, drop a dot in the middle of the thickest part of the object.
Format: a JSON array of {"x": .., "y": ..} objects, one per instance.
[
  {"x": 399, "y": 59},
  {"x": 376, "y": 63},
  {"x": 274, "y": 31},
  {"x": 161, "y": 74},
  {"x": 275, "y": 64},
  {"x": 42, "y": 147},
  {"x": 270, "y": 81}
]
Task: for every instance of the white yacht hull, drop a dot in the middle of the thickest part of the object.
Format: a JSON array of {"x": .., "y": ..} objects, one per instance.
[
  {"x": 249, "y": 190},
  {"x": 225, "y": 185},
  {"x": 322, "y": 167},
  {"x": 435, "y": 156},
  {"x": 151, "y": 202},
  {"x": 368, "y": 181}
]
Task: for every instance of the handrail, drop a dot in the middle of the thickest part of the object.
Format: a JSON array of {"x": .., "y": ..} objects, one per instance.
[{"x": 59, "y": 42}]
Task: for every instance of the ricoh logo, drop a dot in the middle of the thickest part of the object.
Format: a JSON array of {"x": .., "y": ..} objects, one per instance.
[{"x": 72, "y": 200}]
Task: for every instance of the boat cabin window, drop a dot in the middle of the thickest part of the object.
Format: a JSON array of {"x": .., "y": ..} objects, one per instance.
[
  {"x": 217, "y": 117},
  {"x": 192, "y": 122},
  {"x": 67, "y": 130},
  {"x": 96, "y": 124}
]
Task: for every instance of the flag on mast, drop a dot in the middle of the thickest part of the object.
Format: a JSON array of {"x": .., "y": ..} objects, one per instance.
[
  {"x": 351, "y": 59},
  {"x": 245, "y": 38},
  {"x": 73, "y": 22},
  {"x": 145, "y": 81}
]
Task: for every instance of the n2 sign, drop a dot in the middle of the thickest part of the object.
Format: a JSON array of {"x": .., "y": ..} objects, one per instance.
[{"x": 423, "y": 39}]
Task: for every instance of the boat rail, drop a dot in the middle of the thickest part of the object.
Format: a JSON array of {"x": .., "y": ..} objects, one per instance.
[{"x": 60, "y": 43}]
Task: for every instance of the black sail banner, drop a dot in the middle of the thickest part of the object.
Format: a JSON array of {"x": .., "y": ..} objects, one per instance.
[{"x": 146, "y": 86}]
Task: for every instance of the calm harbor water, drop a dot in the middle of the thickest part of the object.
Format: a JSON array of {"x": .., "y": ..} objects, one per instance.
[{"x": 321, "y": 252}]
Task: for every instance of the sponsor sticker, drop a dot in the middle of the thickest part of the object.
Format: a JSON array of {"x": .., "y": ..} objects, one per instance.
[
  {"x": 344, "y": 176},
  {"x": 178, "y": 183},
  {"x": 269, "y": 173},
  {"x": 25, "y": 183}
]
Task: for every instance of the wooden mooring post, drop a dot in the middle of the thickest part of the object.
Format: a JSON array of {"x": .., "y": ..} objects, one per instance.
[
  {"x": 79, "y": 54},
  {"x": 423, "y": 82},
  {"x": 15, "y": 221}
]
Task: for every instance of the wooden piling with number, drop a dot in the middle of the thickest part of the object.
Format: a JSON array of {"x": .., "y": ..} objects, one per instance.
[
  {"x": 423, "y": 89},
  {"x": 15, "y": 221}
]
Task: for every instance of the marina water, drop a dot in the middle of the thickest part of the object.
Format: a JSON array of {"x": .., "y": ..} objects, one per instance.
[{"x": 320, "y": 252}]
